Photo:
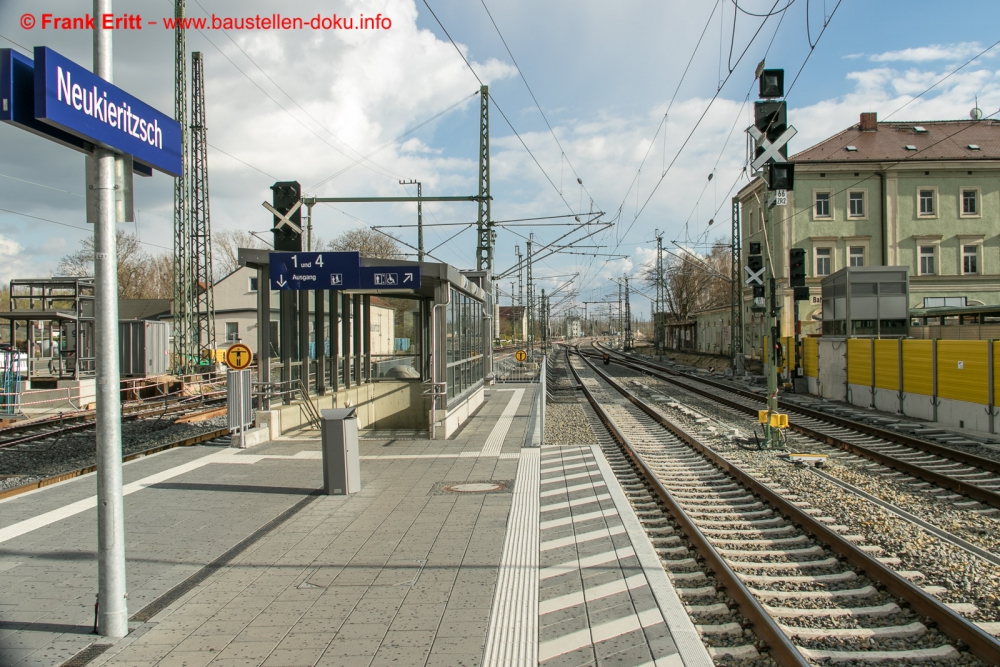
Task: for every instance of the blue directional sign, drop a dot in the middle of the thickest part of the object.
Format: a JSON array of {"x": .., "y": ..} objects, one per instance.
[
  {"x": 315, "y": 270},
  {"x": 390, "y": 277},
  {"x": 74, "y": 99}
]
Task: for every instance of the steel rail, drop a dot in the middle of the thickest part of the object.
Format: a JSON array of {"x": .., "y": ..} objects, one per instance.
[
  {"x": 62, "y": 477},
  {"x": 90, "y": 422},
  {"x": 867, "y": 429},
  {"x": 945, "y": 481},
  {"x": 981, "y": 643},
  {"x": 781, "y": 649}
]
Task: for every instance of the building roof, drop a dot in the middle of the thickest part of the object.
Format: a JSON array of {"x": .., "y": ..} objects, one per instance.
[
  {"x": 143, "y": 309},
  {"x": 909, "y": 141}
]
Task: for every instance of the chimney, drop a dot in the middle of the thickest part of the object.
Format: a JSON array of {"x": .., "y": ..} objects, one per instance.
[{"x": 869, "y": 122}]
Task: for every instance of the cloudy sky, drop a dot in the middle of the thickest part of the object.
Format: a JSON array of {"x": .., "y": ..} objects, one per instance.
[{"x": 642, "y": 136}]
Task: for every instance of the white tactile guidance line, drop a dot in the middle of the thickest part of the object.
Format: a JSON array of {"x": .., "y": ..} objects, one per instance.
[
  {"x": 512, "y": 636},
  {"x": 495, "y": 440}
]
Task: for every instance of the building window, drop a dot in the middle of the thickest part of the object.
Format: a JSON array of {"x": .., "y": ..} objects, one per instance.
[
  {"x": 822, "y": 205},
  {"x": 970, "y": 257},
  {"x": 926, "y": 260},
  {"x": 926, "y": 202},
  {"x": 232, "y": 331},
  {"x": 752, "y": 230},
  {"x": 824, "y": 258},
  {"x": 857, "y": 255},
  {"x": 970, "y": 202},
  {"x": 856, "y": 202},
  {"x": 253, "y": 283}
]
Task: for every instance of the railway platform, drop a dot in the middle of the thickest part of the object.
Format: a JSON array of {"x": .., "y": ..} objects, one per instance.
[{"x": 473, "y": 550}]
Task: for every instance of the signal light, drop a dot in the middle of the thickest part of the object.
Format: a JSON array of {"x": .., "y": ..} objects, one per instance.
[
  {"x": 797, "y": 267},
  {"x": 771, "y": 84},
  {"x": 780, "y": 176},
  {"x": 771, "y": 118},
  {"x": 285, "y": 195}
]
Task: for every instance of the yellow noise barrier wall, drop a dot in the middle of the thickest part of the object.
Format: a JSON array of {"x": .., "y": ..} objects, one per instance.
[
  {"x": 887, "y": 364},
  {"x": 962, "y": 367},
  {"x": 996, "y": 367},
  {"x": 810, "y": 356},
  {"x": 918, "y": 367},
  {"x": 859, "y": 361}
]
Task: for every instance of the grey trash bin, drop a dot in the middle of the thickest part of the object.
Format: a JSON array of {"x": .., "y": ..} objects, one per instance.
[{"x": 341, "y": 465}]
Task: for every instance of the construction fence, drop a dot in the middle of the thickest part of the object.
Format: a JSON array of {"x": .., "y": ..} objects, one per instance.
[{"x": 950, "y": 381}]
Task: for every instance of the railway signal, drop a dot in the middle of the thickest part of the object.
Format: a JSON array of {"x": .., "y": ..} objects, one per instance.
[
  {"x": 287, "y": 209},
  {"x": 771, "y": 134}
]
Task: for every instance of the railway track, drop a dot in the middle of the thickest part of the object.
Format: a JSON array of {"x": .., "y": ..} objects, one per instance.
[
  {"x": 206, "y": 437},
  {"x": 39, "y": 431},
  {"x": 975, "y": 478},
  {"x": 808, "y": 592}
]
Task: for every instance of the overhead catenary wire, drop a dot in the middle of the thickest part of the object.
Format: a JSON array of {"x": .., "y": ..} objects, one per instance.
[{"x": 520, "y": 72}]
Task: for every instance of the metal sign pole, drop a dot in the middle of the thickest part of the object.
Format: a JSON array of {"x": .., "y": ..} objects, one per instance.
[{"x": 112, "y": 619}]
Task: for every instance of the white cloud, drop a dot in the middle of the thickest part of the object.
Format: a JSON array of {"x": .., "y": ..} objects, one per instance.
[
  {"x": 13, "y": 262},
  {"x": 934, "y": 52}
]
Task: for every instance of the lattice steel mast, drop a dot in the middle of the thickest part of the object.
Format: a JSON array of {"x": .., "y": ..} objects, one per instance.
[
  {"x": 182, "y": 213},
  {"x": 520, "y": 289},
  {"x": 736, "y": 298},
  {"x": 661, "y": 297},
  {"x": 484, "y": 228},
  {"x": 531, "y": 296},
  {"x": 627, "y": 343},
  {"x": 202, "y": 337}
]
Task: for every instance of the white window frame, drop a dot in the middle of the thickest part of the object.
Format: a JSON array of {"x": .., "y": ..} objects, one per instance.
[
  {"x": 815, "y": 198},
  {"x": 832, "y": 258},
  {"x": 973, "y": 240},
  {"x": 864, "y": 204},
  {"x": 228, "y": 338},
  {"x": 850, "y": 255},
  {"x": 935, "y": 201},
  {"x": 974, "y": 254},
  {"x": 933, "y": 256},
  {"x": 979, "y": 201}
]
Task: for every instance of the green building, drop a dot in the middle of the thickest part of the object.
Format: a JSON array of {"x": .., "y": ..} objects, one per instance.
[{"x": 925, "y": 195}]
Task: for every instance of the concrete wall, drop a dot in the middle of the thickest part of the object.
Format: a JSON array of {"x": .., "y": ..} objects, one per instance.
[
  {"x": 380, "y": 405},
  {"x": 963, "y": 414},
  {"x": 887, "y": 400},
  {"x": 832, "y": 379},
  {"x": 457, "y": 415}
]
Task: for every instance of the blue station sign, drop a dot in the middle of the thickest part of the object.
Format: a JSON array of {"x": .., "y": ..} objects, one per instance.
[
  {"x": 296, "y": 271},
  {"x": 17, "y": 100},
  {"x": 315, "y": 270},
  {"x": 390, "y": 277},
  {"x": 75, "y": 100}
]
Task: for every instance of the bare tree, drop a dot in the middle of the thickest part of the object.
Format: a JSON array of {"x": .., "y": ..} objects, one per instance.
[
  {"x": 139, "y": 273},
  {"x": 368, "y": 242},
  {"x": 694, "y": 282},
  {"x": 225, "y": 246}
]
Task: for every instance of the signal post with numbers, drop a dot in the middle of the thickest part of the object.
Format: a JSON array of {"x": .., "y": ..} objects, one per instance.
[{"x": 771, "y": 134}]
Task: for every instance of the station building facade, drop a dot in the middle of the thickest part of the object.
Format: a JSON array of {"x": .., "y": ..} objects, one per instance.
[{"x": 925, "y": 195}]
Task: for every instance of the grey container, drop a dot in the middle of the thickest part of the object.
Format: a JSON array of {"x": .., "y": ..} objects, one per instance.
[
  {"x": 143, "y": 348},
  {"x": 341, "y": 465}
]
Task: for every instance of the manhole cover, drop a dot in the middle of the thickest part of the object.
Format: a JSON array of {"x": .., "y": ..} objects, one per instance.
[{"x": 475, "y": 487}]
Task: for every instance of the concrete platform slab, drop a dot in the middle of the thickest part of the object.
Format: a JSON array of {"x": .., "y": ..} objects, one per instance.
[{"x": 235, "y": 558}]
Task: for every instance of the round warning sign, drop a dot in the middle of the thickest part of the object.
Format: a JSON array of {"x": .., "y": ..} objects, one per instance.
[
  {"x": 238, "y": 357},
  {"x": 520, "y": 355}
]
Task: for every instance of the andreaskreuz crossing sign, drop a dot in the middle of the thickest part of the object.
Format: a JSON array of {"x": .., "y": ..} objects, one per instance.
[{"x": 754, "y": 277}]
